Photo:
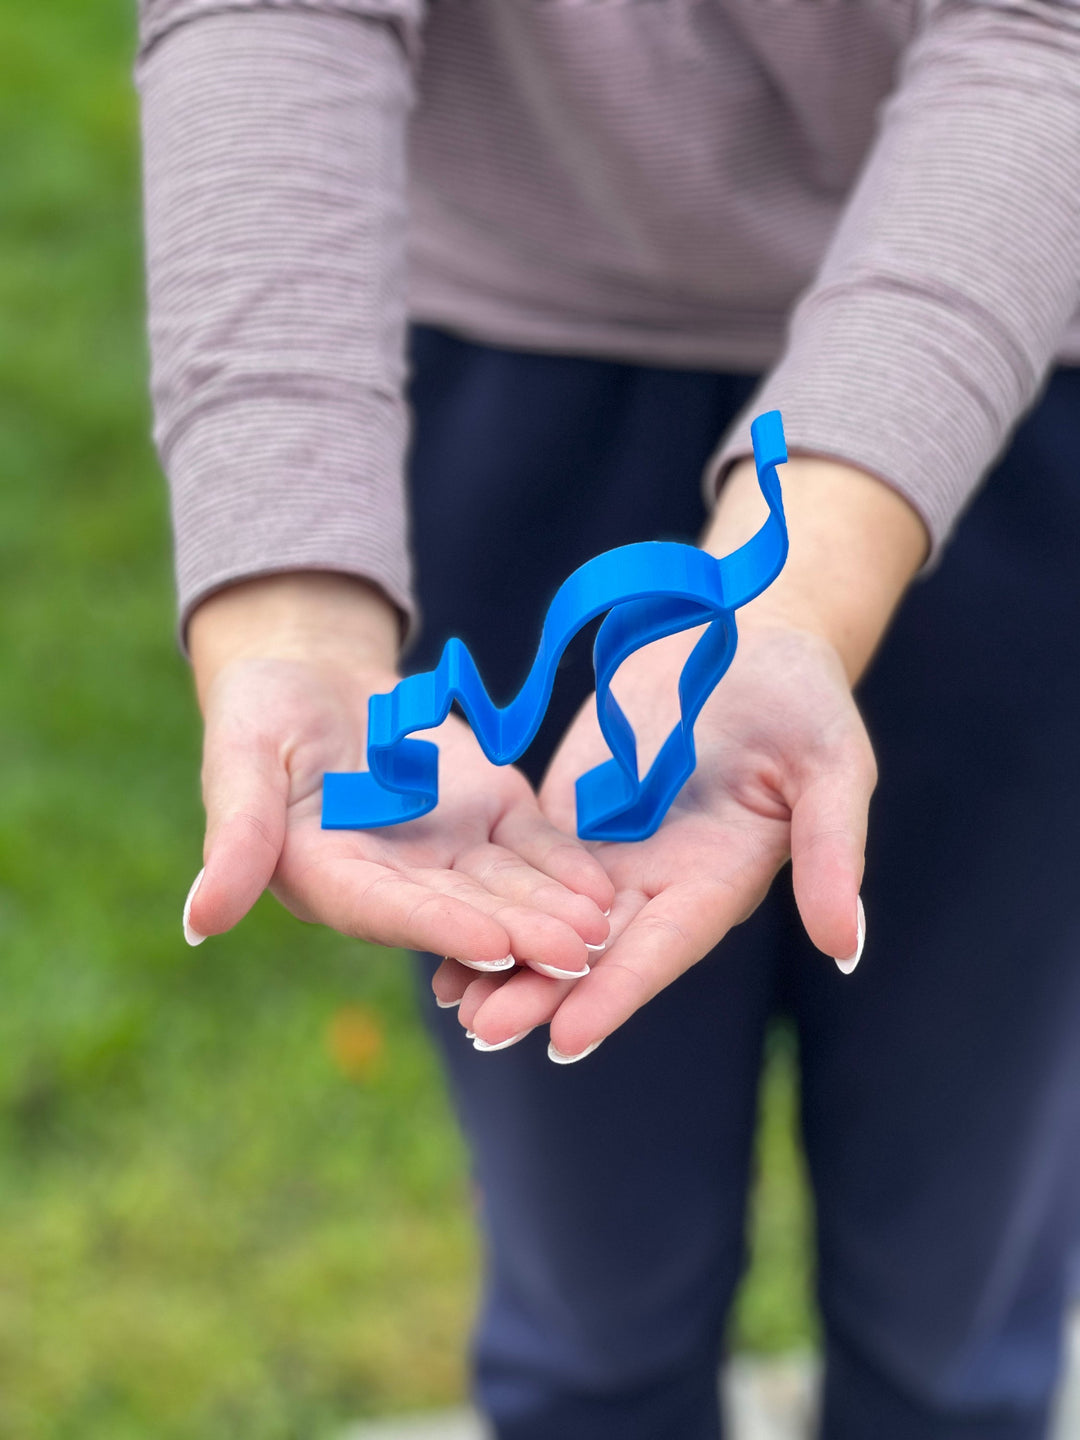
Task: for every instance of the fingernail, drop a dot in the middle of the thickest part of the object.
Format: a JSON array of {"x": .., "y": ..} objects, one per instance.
[
  {"x": 558, "y": 1058},
  {"x": 606, "y": 912},
  {"x": 484, "y": 1046},
  {"x": 848, "y": 965},
  {"x": 447, "y": 1004},
  {"x": 191, "y": 935},
  {"x": 556, "y": 974},
  {"x": 595, "y": 948},
  {"x": 507, "y": 964},
  {"x": 470, "y": 1034}
]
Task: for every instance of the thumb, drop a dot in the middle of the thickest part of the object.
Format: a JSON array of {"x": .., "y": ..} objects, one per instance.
[
  {"x": 245, "y": 791},
  {"x": 828, "y": 843},
  {"x": 580, "y": 749}
]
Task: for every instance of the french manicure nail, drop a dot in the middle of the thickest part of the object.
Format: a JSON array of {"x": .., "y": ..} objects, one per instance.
[
  {"x": 848, "y": 965},
  {"x": 447, "y": 1004},
  {"x": 555, "y": 973},
  {"x": 606, "y": 912},
  {"x": 558, "y": 1058},
  {"x": 490, "y": 965},
  {"x": 191, "y": 935},
  {"x": 470, "y": 1034},
  {"x": 595, "y": 948},
  {"x": 484, "y": 1045}
]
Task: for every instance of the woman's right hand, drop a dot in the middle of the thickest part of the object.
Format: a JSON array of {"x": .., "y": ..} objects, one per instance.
[{"x": 284, "y": 667}]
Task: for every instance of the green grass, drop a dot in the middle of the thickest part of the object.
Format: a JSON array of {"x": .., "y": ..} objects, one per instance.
[
  {"x": 232, "y": 1201},
  {"x": 773, "y": 1310}
]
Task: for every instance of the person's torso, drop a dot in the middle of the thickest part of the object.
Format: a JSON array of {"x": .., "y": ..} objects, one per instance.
[{"x": 649, "y": 178}]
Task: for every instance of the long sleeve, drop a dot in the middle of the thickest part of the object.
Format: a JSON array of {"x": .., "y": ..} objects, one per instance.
[
  {"x": 950, "y": 280},
  {"x": 274, "y": 159}
]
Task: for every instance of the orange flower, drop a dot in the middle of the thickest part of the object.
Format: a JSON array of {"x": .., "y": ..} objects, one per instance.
[{"x": 354, "y": 1040}]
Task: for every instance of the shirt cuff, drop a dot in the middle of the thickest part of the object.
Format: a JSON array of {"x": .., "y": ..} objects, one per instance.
[
  {"x": 874, "y": 384},
  {"x": 269, "y": 484}
]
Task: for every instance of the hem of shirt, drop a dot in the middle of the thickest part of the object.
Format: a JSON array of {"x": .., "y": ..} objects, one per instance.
[
  {"x": 618, "y": 342},
  {"x": 752, "y": 351}
]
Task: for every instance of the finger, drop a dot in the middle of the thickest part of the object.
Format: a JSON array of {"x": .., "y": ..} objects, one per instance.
[
  {"x": 828, "y": 844},
  {"x": 452, "y": 979},
  {"x": 477, "y": 992},
  {"x": 671, "y": 933},
  {"x": 504, "y": 873},
  {"x": 534, "y": 938},
  {"x": 245, "y": 792},
  {"x": 450, "y": 982},
  {"x": 522, "y": 1002},
  {"x": 525, "y": 830},
  {"x": 525, "y": 999},
  {"x": 374, "y": 902}
]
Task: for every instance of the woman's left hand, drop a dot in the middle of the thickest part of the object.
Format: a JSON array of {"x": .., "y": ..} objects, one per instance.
[{"x": 784, "y": 768}]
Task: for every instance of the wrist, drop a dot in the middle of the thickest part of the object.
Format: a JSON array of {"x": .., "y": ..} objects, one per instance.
[
  {"x": 855, "y": 545},
  {"x": 313, "y": 616}
]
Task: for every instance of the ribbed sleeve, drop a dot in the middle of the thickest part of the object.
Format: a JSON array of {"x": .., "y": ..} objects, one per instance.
[
  {"x": 955, "y": 268},
  {"x": 274, "y": 139}
]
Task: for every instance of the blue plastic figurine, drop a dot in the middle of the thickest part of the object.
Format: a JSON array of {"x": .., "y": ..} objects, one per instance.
[{"x": 650, "y": 590}]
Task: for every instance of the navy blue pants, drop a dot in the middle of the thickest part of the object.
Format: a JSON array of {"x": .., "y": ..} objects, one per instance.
[{"x": 940, "y": 1082}]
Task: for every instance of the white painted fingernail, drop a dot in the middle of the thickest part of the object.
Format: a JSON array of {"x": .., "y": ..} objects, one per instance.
[
  {"x": 848, "y": 965},
  {"x": 484, "y": 1046},
  {"x": 447, "y": 1004},
  {"x": 191, "y": 935},
  {"x": 507, "y": 964},
  {"x": 558, "y": 1058},
  {"x": 595, "y": 948},
  {"x": 470, "y": 1034},
  {"x": 556, "y": 974},
  {"x": 606, "y": 912}
]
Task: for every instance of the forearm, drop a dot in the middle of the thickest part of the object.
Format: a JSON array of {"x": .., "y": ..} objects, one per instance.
[
  {"x": 855, "y": 545},
  {"x": 311, "y": 617}
]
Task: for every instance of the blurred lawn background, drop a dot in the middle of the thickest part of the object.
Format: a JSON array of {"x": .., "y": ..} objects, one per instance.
[{"x": 232, "y": 1202}]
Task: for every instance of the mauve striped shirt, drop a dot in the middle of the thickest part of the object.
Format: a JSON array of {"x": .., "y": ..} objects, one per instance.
[{"x": 874, "y": 203}]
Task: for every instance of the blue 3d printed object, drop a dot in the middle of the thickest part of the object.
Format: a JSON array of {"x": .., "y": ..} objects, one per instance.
[{"x": 649, "y": 590}]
